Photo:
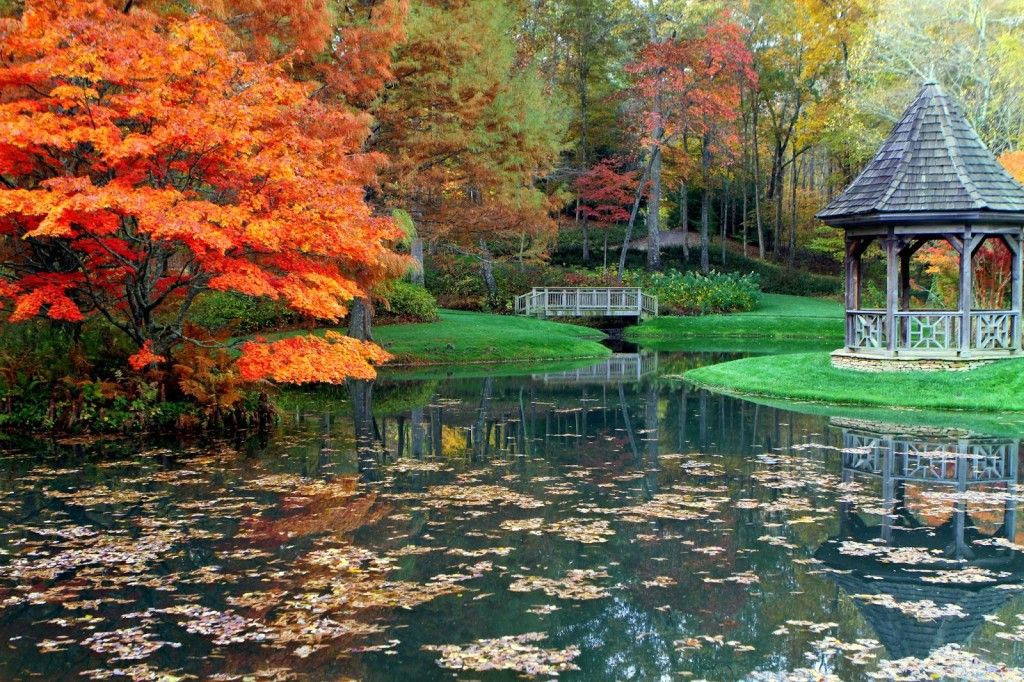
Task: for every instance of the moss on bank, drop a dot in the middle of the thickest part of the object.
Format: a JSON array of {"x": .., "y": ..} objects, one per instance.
[
  {"x": 777, "y": 316},
  {"x": 998, "y": 387}
]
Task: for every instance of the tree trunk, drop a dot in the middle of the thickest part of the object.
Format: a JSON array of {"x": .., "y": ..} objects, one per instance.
[
  {"x": 778, "y": 180},
  {"x": 632, "y": 219},
  {"x": 605, "y": 266},
  {"x": 417, "y": 254},
  {"x": 743, "y": 217},
  {"x": 723, "y": 216},
  {"x": 757, "y": 188},
  {"x": 684, "y": 219},
  {"x": 583, "y": 75},
  {"x": 795, "y": 173},
  {"x": 705, "y": 218},
  {"x": 360, "y": 319},
  {"x": 705, "y": 202},
  {"x": 487, "y": 271},
  {"x": 586, "y": 242},
  {"x": 654, "y": 197},
  {"x": 654, "y": 210}
]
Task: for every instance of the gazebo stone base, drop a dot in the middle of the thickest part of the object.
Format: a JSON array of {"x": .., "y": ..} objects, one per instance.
[{"x": 861, "y": 362}]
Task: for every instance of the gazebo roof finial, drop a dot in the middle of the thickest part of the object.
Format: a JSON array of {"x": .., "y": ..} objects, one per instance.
[{"x": 932, "y": 167}]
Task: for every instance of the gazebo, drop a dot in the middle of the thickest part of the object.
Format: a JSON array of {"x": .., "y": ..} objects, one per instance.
[{"x": 932, "y": 179}]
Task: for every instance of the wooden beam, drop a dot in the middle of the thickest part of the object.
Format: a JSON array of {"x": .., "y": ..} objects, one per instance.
[
  {"x": 954, "y": 241},
  {"x": 1011, "y": 242},
  {"x": 915, "y": 246},
  {"x": 856, "y": 246},
  {"x": 975, "y": 242}
]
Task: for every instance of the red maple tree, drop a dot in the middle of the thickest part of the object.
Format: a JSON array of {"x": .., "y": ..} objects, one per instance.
[
  {"x": 606, "y": 192},
  {"x": 145, "y": 164}
]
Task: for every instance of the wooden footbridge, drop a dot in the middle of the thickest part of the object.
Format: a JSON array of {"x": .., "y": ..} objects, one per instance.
[{"x": 587, "y": 302}]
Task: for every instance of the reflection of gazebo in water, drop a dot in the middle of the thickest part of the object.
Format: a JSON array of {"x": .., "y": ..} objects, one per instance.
[
  {"x": 959, "y": 466},
  {"x": 932, "y": 179}
]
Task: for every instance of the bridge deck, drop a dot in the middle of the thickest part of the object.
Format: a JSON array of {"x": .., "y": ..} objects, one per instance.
[{"x": 587, "y": 302}]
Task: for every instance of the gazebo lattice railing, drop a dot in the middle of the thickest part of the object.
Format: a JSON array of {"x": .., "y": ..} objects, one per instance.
[{"x": 928, "y": 330}]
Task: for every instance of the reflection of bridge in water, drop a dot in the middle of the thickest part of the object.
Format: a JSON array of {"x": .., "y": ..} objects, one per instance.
[
  {"x": 901, "y": 559},
  {"x": 616, "y": 368}
]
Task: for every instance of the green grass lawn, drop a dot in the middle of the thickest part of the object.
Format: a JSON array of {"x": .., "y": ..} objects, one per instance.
[
  {"x": 778, "y": 316},
  {"x": 811, "y": 377},
  {"x": 462, "y": 336}
]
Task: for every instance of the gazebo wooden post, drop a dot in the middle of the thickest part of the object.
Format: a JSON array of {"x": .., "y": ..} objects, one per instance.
[
  {"x": 1013, "y": 242},
  {"x": 852, "y": 285},
  {"x": 854, "y": 261},
  {"x": 905, "y": 255},
  {"x": 892, "y": 286},
  {"x": 966, "y": 290}
]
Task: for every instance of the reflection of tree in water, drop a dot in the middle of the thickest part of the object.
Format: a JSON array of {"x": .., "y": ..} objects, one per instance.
[
  {"x": 965, "y": 476},
  {"x": 559, "y": 413}
]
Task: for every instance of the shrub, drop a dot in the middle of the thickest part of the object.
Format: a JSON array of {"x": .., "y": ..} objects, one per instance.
[
  {"x": 457, "y": 283},
  {"x": 775, "y": 278},
  {"x": 220, "y": 311},
  {"x": 72, "y": 379},
  {"x": 407, "y": 302},
  {"x": 695, "y": 294}
]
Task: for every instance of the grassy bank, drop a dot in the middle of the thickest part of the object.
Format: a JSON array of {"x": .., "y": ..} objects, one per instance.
[
  {"x": 778, "y": 316},
  {"x": 998, "y": 387},
  {"x": 461, "y": 336}
]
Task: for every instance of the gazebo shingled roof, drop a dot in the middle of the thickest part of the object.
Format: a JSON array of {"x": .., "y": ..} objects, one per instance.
[{"x": 932, "y": 162}]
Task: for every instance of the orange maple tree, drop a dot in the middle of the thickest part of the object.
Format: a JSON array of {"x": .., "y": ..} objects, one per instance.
[{"x": 144, "y": 163}]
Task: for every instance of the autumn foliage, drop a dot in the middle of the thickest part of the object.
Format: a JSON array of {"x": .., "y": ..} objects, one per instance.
[
  {"x": 699, "y": 80},
  {"x": 606, "y": 192},
  {"x": 147, "y": 162},
  {"x": 1014, "y": 163}
]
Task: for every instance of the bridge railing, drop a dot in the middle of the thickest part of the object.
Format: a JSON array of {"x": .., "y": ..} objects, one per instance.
[{"x": 586, "y": 301}]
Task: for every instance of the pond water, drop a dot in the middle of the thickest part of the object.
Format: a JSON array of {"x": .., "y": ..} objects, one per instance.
[{"x": 602, "y": 522}]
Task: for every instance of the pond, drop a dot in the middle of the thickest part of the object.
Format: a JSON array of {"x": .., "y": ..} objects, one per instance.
[{"x": 602, "y": 521}]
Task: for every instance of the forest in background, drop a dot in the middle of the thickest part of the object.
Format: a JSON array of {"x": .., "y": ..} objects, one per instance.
[{"x": 748, "y": 116}]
